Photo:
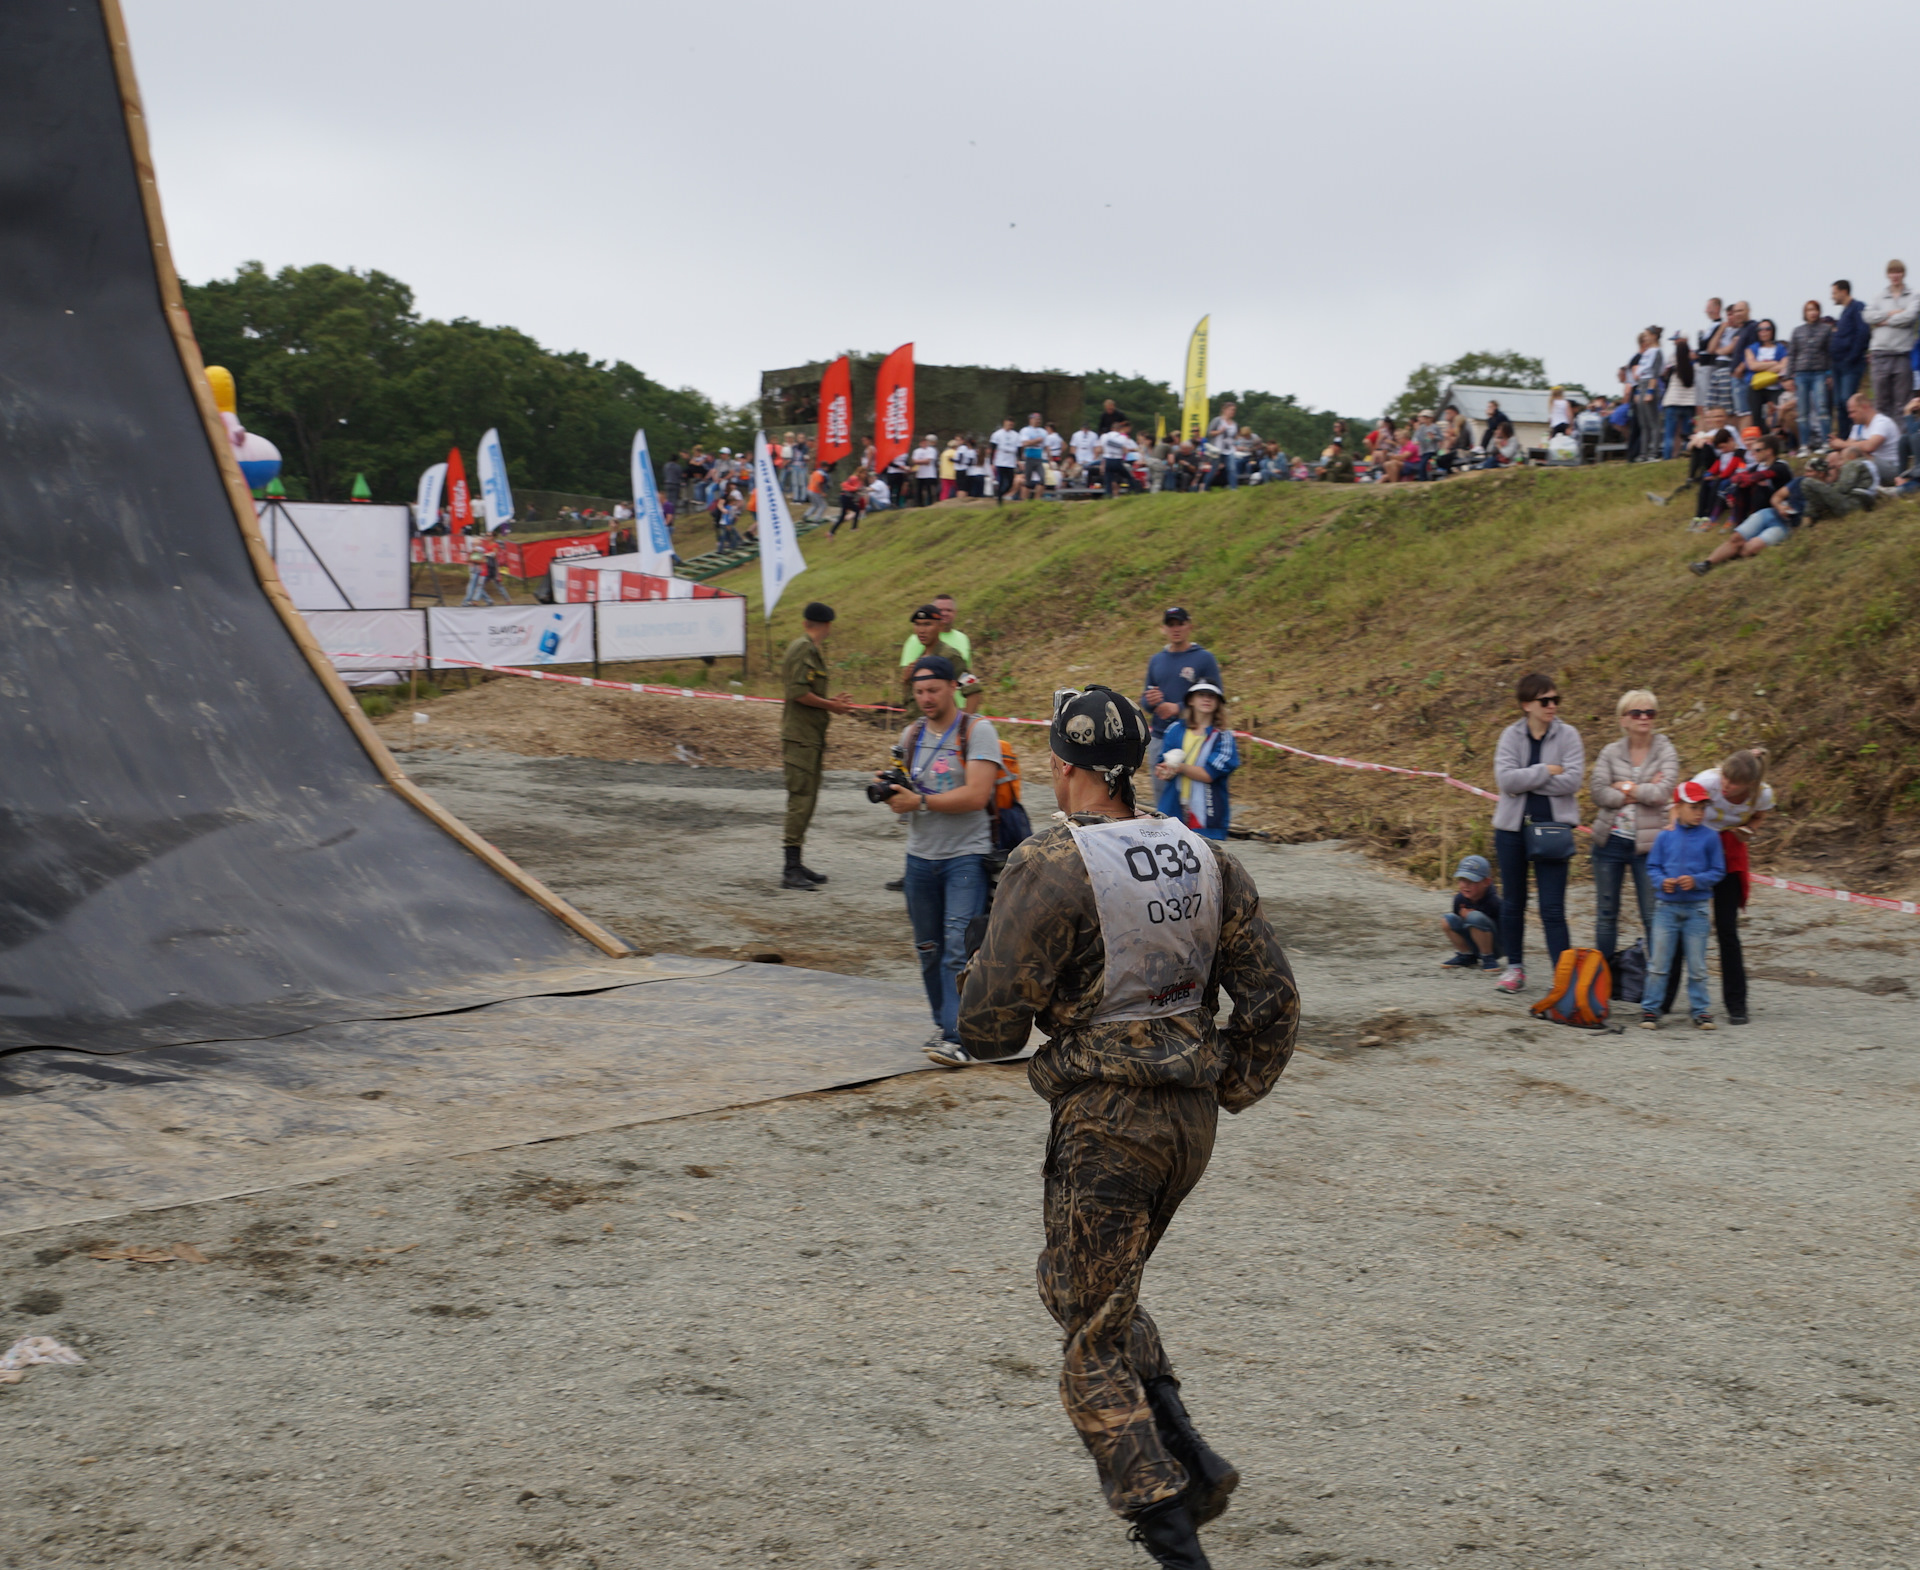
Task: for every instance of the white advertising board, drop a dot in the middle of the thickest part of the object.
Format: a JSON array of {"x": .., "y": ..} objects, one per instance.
[
  {"x": 399, "y": 635},
  {"x": 512, "y": 634},
  {"x": 340, "y": 557},
  {"x": 671, "y": 629}
]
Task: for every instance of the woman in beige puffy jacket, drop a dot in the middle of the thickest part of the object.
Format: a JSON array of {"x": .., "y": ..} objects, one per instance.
[{"x": 1632, "y": 784}]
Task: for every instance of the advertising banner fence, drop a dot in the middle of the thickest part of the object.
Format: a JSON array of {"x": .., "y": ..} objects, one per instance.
[
  {"x": 401, "y": 635},
  {"x": 672, "y": 629},
  {"x": 536, "y": 557},
  {"x": 344, "y": 556},
  {"x": 512, "y": 634}
]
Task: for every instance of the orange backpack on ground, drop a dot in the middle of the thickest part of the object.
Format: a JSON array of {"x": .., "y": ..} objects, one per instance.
[{"x": 1581, "y": 992}]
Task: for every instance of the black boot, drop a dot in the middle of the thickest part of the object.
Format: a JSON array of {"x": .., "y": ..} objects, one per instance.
[
  {"x": 1166, "y": 1532},
  {"x": 810, "y": 875},
  {"x": 1211, "y": 1477},
  {"x": 796, "y": 876}
]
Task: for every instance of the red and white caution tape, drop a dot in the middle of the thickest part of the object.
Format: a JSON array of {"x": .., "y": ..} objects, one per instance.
[{"x": 1905, "y": 907}]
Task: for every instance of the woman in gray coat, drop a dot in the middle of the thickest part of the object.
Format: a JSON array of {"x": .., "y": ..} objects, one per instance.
[
  {"x": 1538, "y": 766},
  {"x": 1631, "y": 784}
]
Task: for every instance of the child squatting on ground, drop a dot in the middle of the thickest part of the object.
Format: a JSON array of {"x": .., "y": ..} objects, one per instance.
[
  {"x": 1685, "y": 864},
  {"x": 1474, "y": 922}
]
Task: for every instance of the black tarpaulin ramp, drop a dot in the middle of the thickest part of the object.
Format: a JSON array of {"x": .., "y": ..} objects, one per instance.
[{"x": 200, "y": 837}]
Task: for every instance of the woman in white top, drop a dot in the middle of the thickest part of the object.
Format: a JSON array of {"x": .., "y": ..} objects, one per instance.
[
  {"x": 1631, "y": 783},
  {"x": 1559, "y": 412},
  {"x": 1680, "y": 398},
  {"x": 1738, "y": 797}
]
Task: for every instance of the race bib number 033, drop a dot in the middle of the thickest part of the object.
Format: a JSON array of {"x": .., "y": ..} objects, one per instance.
[{"x": 1157, "y": 888}]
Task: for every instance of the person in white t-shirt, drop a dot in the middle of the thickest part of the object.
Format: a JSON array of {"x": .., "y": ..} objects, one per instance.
[
  {"x": 1117, "y": 450},
  {"x": 1006, "y": 457},
  {"x": 969, "y": 468},
  {"x": 1033, "y": 451},
  {"x": 1086, "y": 447},
  {"x": 1222, "y": 434},
  {"x": 926, "y": 471},
  {"x": 1875, "y": 438}
]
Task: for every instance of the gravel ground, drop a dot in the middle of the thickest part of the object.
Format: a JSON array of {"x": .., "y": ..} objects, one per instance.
[{"x": 1466, "y": 1290}]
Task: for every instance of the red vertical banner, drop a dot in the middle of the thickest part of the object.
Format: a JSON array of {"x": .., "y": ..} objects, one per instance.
[
  {"x": 893, "y": 407},
  {"x": 836, "y": 413},
  {"x": 459, "y": 503}
]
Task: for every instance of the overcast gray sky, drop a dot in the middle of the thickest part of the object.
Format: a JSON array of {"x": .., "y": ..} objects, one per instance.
[{"x": 712, "y": 190}]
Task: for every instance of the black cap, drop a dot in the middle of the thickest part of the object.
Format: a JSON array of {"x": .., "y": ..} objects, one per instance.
[
  {"x": 815, "y": 611},
  {"x": 1176, "y": 613},
  {"x": 1098, "y": 728},
  {"x": 934, "y": 668},
  {"x": 927, "y": 612}
]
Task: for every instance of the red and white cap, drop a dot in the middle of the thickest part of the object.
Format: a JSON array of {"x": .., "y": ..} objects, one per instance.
[{"x": 1693, "y": 791}]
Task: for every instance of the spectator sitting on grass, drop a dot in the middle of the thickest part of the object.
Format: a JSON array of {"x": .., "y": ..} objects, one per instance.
[
  {"x": 1771, "y": 524},
  {"x": 1832, "y": 489},
  {"x": 1909, "y": 477},
  {"x": 1874, "y": 438},
  {"x": 1336, "y": 465},
  {"x": 1473, "y": 924}
]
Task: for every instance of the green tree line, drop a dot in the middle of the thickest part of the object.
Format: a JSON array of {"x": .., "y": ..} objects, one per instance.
[
  {"x": 338, "y": 370},
  {"x": 1278, "y": 417}
]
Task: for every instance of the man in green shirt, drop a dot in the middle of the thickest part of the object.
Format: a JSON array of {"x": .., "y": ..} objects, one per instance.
[{"x": 803, "y": 736}]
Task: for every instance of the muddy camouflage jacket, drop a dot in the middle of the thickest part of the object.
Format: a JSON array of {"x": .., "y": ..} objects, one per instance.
[{"x": 1044, "y": 958}]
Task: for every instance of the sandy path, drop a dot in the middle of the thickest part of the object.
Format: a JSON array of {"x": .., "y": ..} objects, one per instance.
[{"x": 1478, "y": 1292}]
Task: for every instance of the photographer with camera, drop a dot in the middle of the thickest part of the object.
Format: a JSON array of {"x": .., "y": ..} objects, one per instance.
[{"x": 949, "y": 763}]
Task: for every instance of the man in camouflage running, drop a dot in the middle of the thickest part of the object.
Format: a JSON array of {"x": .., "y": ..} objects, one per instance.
[{"x": 1117, "y": 931}]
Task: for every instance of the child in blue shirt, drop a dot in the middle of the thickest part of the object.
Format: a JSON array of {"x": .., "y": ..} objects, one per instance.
[
  {"x": 1473, "y": 925},
  {"x": 1198, "y": 755},
  {"x": 1685, "y": 863}
]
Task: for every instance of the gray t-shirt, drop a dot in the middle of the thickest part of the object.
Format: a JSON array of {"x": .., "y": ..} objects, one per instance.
[{"x": 935, "y": 767}]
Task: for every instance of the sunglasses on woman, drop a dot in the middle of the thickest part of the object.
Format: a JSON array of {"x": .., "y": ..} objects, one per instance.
[{"x": 1642, "y": 714}]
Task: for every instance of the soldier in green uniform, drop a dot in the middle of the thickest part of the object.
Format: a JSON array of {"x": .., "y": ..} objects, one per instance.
[
  {"x": 803, "y": 736},
  {"x": 1117, "y": 932}
]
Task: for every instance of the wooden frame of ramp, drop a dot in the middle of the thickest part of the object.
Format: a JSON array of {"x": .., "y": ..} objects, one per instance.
[{"x": 180, "y": 326}]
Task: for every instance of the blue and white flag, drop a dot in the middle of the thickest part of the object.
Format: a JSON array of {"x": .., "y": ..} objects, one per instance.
[
  {"x": 652, "y": 538},
  {"x": 426, "y": 504},
  {"x": 780, "y": 558},
  {"x": 496, "y": 497}
]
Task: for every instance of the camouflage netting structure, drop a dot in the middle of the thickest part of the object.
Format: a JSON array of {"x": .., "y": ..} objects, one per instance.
[{"x": 948, "y": 399}]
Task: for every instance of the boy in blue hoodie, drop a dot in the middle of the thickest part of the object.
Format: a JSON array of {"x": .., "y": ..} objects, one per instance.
[{"x": 1684, "y": 865}]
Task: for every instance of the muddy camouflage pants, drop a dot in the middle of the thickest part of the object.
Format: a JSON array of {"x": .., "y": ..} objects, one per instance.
[
  {"x": 803, "y": 763},
  {"x": 1120, "y": 1159}
]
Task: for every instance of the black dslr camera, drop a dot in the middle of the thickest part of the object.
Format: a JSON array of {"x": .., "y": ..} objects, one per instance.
[{"x": 881, "y": 790}]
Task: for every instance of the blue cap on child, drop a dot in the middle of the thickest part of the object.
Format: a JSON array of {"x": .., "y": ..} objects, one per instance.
[{"x": 1472, "y": 869}]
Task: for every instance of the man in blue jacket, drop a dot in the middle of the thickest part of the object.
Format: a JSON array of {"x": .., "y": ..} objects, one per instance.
[
  {"x": 1685, "y": 863},
  {"x": 1847, "y": 350}
]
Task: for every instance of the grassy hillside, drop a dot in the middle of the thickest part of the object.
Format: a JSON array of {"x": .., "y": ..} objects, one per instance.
[{"x": 1392, "y": 623}]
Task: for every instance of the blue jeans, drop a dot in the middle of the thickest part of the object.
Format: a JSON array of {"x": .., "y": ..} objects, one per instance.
[
  {"x": 1816, "y": 414},
  {"x": 1612, "y": 861},
  {"x": 1846, "y": 382},
  {"x": 942, "y": 897},
  {"x": 1679, "y": 423},
  {"x": 1510, "y": 848},
  {"x": 1685, "y": 927},
  {"x": 1233, "y": 471},
  {"x": 1742, "y": 395},
  {"x": 1468, "y": 922}
]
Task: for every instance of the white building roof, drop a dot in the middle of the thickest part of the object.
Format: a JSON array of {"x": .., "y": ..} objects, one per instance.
[{"x": 1523, "y": 405}]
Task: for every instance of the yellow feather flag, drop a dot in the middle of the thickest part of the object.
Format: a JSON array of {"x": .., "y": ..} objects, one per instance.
[
  {"x": 1193, "y": 410},
  {"x": 1159, "y": 427}
]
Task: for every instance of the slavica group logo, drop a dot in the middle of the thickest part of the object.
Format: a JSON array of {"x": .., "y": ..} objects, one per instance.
[
  {"x": 894, "y": 424},
  {"x": 839, "y": 421}
]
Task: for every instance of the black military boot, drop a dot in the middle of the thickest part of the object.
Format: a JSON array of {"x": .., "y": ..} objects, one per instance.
[
  {"x": 796, "y": 876},
  {"x": 1166, "y": 1532},
  {"x": 810, "y": 875},
  {"x": 1211, "y": 1477}
]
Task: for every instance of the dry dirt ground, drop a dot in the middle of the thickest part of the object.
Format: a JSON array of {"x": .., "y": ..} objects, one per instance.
[{"x": 1467, "y": 1290}]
